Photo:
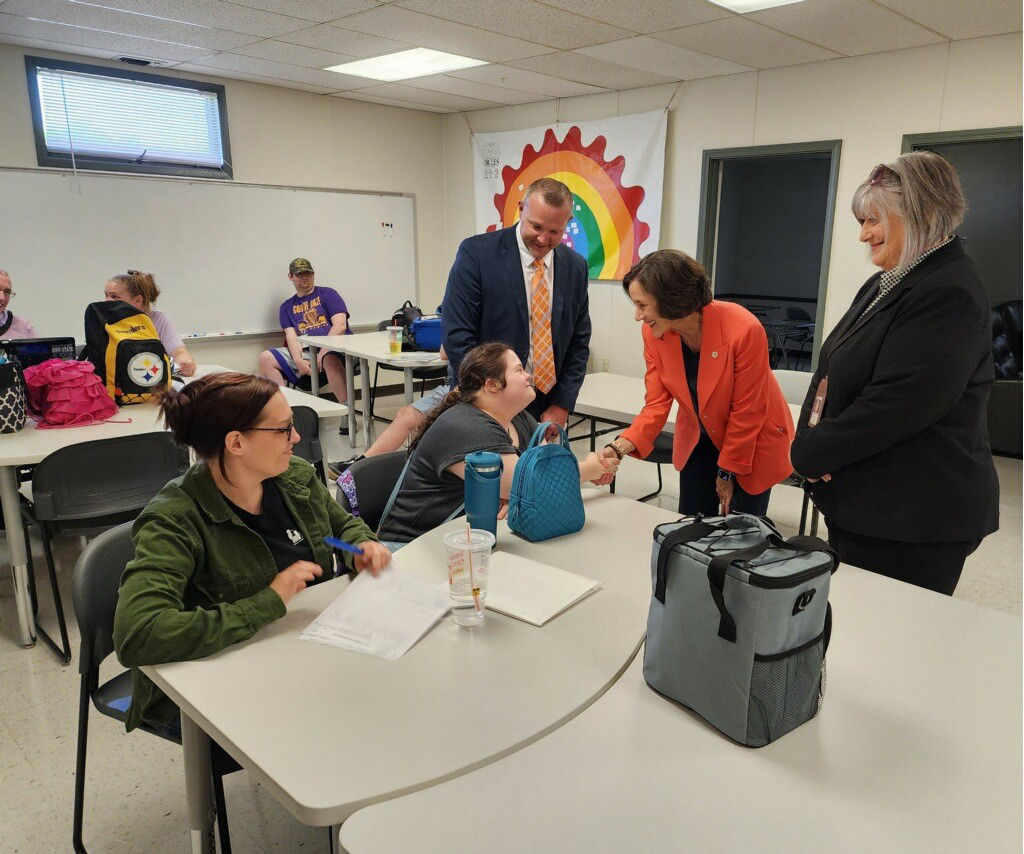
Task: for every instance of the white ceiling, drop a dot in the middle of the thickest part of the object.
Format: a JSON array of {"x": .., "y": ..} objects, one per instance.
[{"x": 537, "y": 49}]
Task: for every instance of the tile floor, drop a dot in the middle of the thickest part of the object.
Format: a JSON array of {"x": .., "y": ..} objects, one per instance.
[{"x": 135, "y": 787}]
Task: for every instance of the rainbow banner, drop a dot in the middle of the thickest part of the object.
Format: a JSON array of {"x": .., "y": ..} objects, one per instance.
[{"x": 614, "y": 168}]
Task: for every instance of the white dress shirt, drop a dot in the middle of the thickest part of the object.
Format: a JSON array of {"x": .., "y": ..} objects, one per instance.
[{"x": 526, "y": 262}]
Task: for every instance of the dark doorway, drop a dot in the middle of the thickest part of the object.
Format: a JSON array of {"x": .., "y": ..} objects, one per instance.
[{"x": 765, "y": 231}]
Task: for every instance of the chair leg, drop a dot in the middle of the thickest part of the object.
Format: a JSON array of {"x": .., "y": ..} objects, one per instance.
[
  {"x": 814, "y": 522},
  {"x": 803, "y": 514},
  {"x": 83, "y": 740},
  {"x": 373, "y": 395},
  {"x": 222, "y": 813},
  {"x": 64, "y": 650},
  {"x": 657, "y": 491}
]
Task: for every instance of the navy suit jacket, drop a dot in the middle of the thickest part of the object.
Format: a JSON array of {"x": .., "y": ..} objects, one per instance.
[{"x": 485, "y": 300}]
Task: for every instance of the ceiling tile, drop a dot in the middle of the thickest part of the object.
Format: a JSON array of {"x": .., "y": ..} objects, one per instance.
[
  {"x": 746, "y": 42},
  {"x": 389, "y": 102},
  {"x": 281, "y": 71},
  {"x": 852, "y": 27},
  {"x": 112, "y": 44},
  {"x": 645, "y": 16},
  {"x": 426, "y": 31},
  {"x": 203, "y": 13},
  {"x": 556, "y": 28},
  {"x": 584, "y": 69},
  {"x": 649, "y": 54},
  {"x": 473, "y": 89},
  {"x": 209, "y": 71},
  {"x": 293, "y": 54},
  {"x": 113, "y": 21},
  {"x": 311, "y": 10},
  {"x": 986, "y": 17},
  {"x": 337, "y": 40},
  {"x": 412, "y": 95},
  {"x": 525, "y": 81}
]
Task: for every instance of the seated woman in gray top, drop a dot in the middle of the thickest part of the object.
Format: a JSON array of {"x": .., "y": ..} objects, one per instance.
[{"x": 485, "y": 412}]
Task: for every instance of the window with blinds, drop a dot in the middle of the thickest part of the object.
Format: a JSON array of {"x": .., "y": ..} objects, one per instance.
[{"x": 88, "y": 117}]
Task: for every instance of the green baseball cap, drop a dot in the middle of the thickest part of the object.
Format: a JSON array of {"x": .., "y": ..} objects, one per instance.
[{"x": 299, "y": 265}]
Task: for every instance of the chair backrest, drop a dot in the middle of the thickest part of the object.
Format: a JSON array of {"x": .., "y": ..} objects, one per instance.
[
  {"x": 798, "y": 315},
  {"x": 307, "y": 422},
  {"x": 94, "y": 590},
  {"x": 384, "y": 324},
  {"x": 794, "y": 385},
  {"x": 374, "y": 478},
  {"x": 105, "y": 477}
]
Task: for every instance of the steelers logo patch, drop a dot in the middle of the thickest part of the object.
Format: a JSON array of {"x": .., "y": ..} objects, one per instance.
[{"x": 146, "y": 369}]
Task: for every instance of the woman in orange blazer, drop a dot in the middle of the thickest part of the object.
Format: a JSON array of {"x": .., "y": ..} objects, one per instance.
[{"x": 734, "y": 427}]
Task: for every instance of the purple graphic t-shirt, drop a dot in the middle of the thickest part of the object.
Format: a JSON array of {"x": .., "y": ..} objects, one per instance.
[{"x": 311, "y": 314}]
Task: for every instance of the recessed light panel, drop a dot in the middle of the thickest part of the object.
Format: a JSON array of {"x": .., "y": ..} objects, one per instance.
[
  {"x": 418, "y": 62},
  {"x": 743, "y": 6}
]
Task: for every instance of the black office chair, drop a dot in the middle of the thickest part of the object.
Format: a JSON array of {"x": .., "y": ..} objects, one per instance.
[
  {"x": 96, "y": 580},
  {"x": 374, "y": 479},
  {"x": 421, "y": 374},
  {"x": 800, "y": 331},
  {"x": 660, "y": 455},
  {"x": 307, "y": 423},
  {"x": 90, "y": 485}
]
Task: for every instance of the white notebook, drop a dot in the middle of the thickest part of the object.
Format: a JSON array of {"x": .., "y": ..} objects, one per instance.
[{"x": 530, "y": 591}]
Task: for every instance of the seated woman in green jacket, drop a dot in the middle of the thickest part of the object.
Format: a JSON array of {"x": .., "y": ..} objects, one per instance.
[{"x": 221, "y": 550}]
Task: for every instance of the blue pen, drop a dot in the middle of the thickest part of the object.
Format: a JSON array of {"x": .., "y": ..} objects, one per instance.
[{"x": 335, "y": 543}]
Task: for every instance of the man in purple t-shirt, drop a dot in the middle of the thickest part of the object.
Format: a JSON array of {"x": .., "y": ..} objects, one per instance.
[{"x": 312, "y": 311}]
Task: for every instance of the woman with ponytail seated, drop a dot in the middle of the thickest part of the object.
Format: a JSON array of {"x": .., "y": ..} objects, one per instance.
[
  {"x": 486, "y": 411},
  {"x": 221, "y": 550}
]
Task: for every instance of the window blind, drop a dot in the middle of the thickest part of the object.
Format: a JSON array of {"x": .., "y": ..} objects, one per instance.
[{"x": 134, "y": 120}]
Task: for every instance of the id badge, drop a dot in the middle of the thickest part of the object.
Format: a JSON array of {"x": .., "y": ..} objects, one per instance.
[{"x": 819, "y": 403}]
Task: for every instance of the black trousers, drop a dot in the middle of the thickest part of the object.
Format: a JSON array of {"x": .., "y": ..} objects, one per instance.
[
  {"x": 697, "y": 492},
  {"x": 934, "y": 566}
]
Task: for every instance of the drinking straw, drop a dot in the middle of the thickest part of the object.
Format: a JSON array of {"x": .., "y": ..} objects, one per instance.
[{"x": 469, "y": 556}]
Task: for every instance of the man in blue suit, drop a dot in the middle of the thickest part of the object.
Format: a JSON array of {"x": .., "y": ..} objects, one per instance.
[{"x": 523, "y": 286}]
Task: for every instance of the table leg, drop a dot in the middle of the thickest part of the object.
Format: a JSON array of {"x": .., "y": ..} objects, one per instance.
[
  {"x": 408, "y": 386},
  {"x": 350, "y": 384},
  {"x": 19, "y": 553},
  {"x": 364, "y": 365},
  {"x": 593, "y": 434},
  {"x": 198, "y": 786},
  {"x": 314, "y": 374}
]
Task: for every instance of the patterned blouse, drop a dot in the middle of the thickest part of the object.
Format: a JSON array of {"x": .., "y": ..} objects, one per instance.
[{"x": 891, "y": 278}]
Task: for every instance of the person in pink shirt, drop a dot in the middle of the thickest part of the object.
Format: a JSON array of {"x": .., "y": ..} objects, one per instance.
[{"x": 11, "y": 327}]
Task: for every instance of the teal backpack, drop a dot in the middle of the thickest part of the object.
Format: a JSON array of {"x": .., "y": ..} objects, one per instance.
[{"x": 545, "y": 500}]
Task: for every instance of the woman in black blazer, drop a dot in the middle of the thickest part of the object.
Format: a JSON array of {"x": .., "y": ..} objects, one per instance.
[{"x": 898, "y": 457}]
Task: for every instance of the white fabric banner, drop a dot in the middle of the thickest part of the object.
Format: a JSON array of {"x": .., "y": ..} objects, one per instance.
[{"x": 614, "y": 167}]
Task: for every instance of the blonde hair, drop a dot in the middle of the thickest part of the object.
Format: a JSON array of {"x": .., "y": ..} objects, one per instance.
[
  {"x": 923, "y": 190},
  {"x": 139, "y": 285}
]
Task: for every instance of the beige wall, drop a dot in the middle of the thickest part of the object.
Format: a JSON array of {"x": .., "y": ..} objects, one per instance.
[
  {"x": 868, "y": 102},
  {"x": 292, "y": 138}
]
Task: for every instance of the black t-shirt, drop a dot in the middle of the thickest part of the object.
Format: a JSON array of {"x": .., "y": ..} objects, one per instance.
[
  {"x": 429, "y": 491},
  {"x": 691, "y": 362},
  {"x": 276, "y": 527}
]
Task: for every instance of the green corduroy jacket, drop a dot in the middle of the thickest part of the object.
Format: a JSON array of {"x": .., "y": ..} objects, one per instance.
[{"x": 200, "y": 578}]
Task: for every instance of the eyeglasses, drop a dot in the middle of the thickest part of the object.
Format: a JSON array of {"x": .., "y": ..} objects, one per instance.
[
  {"x": 287, "y": 429},
  {"x": 7, "y": 292},
  {"x": 879, "y": 172}
]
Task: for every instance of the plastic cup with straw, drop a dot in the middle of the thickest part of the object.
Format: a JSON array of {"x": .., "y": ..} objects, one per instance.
[{"x": 469, "y": 558}]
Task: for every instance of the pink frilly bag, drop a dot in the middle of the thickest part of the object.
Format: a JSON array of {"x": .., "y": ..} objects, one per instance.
[{"x": 64, "y": 393}]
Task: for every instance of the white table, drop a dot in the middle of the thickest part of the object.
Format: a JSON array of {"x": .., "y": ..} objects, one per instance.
[
  {"x": 368, "y": 347},
  {"x": 30, "y": 446},
  {"x": 329, "y": 731},
  {"x": 917, "y": 747}
]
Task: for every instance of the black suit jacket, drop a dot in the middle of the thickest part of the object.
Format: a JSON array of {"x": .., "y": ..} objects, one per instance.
[
  {"x": 485, "y": 300},
  {"x": 904, "y": 430}
]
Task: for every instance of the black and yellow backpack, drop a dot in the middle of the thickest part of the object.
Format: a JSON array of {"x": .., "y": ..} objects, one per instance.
[{"x": 124, "y": 348}]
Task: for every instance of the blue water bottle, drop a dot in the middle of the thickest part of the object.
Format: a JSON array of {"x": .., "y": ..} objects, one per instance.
[{"x": 483, "y": 490}]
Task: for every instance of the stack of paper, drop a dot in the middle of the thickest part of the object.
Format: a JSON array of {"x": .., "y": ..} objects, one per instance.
[
  {"x": 530, "y": 591},
  {"x": 382, "y": 616}
]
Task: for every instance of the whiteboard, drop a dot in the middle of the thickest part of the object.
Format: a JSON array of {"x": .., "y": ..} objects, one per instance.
[{"x": 219, "y": 250}]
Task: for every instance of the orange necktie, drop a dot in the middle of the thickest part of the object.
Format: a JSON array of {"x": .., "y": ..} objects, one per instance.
[{"x": 540, "y": 331}]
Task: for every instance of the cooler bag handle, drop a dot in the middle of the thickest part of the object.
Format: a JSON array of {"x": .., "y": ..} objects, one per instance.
[
  {"x": 686, "y": 534},
  {"x": 814, "y": 544},
  {"x": 716, "y": 579}
]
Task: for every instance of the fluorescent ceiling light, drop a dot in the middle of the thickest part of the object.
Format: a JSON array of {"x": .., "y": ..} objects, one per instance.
[
  {"x": 418, "y": 62},
  {"x": 743, "y": 6}
]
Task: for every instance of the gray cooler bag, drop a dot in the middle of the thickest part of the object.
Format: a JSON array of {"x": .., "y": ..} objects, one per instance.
[{"x": 739, "y": 624}]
